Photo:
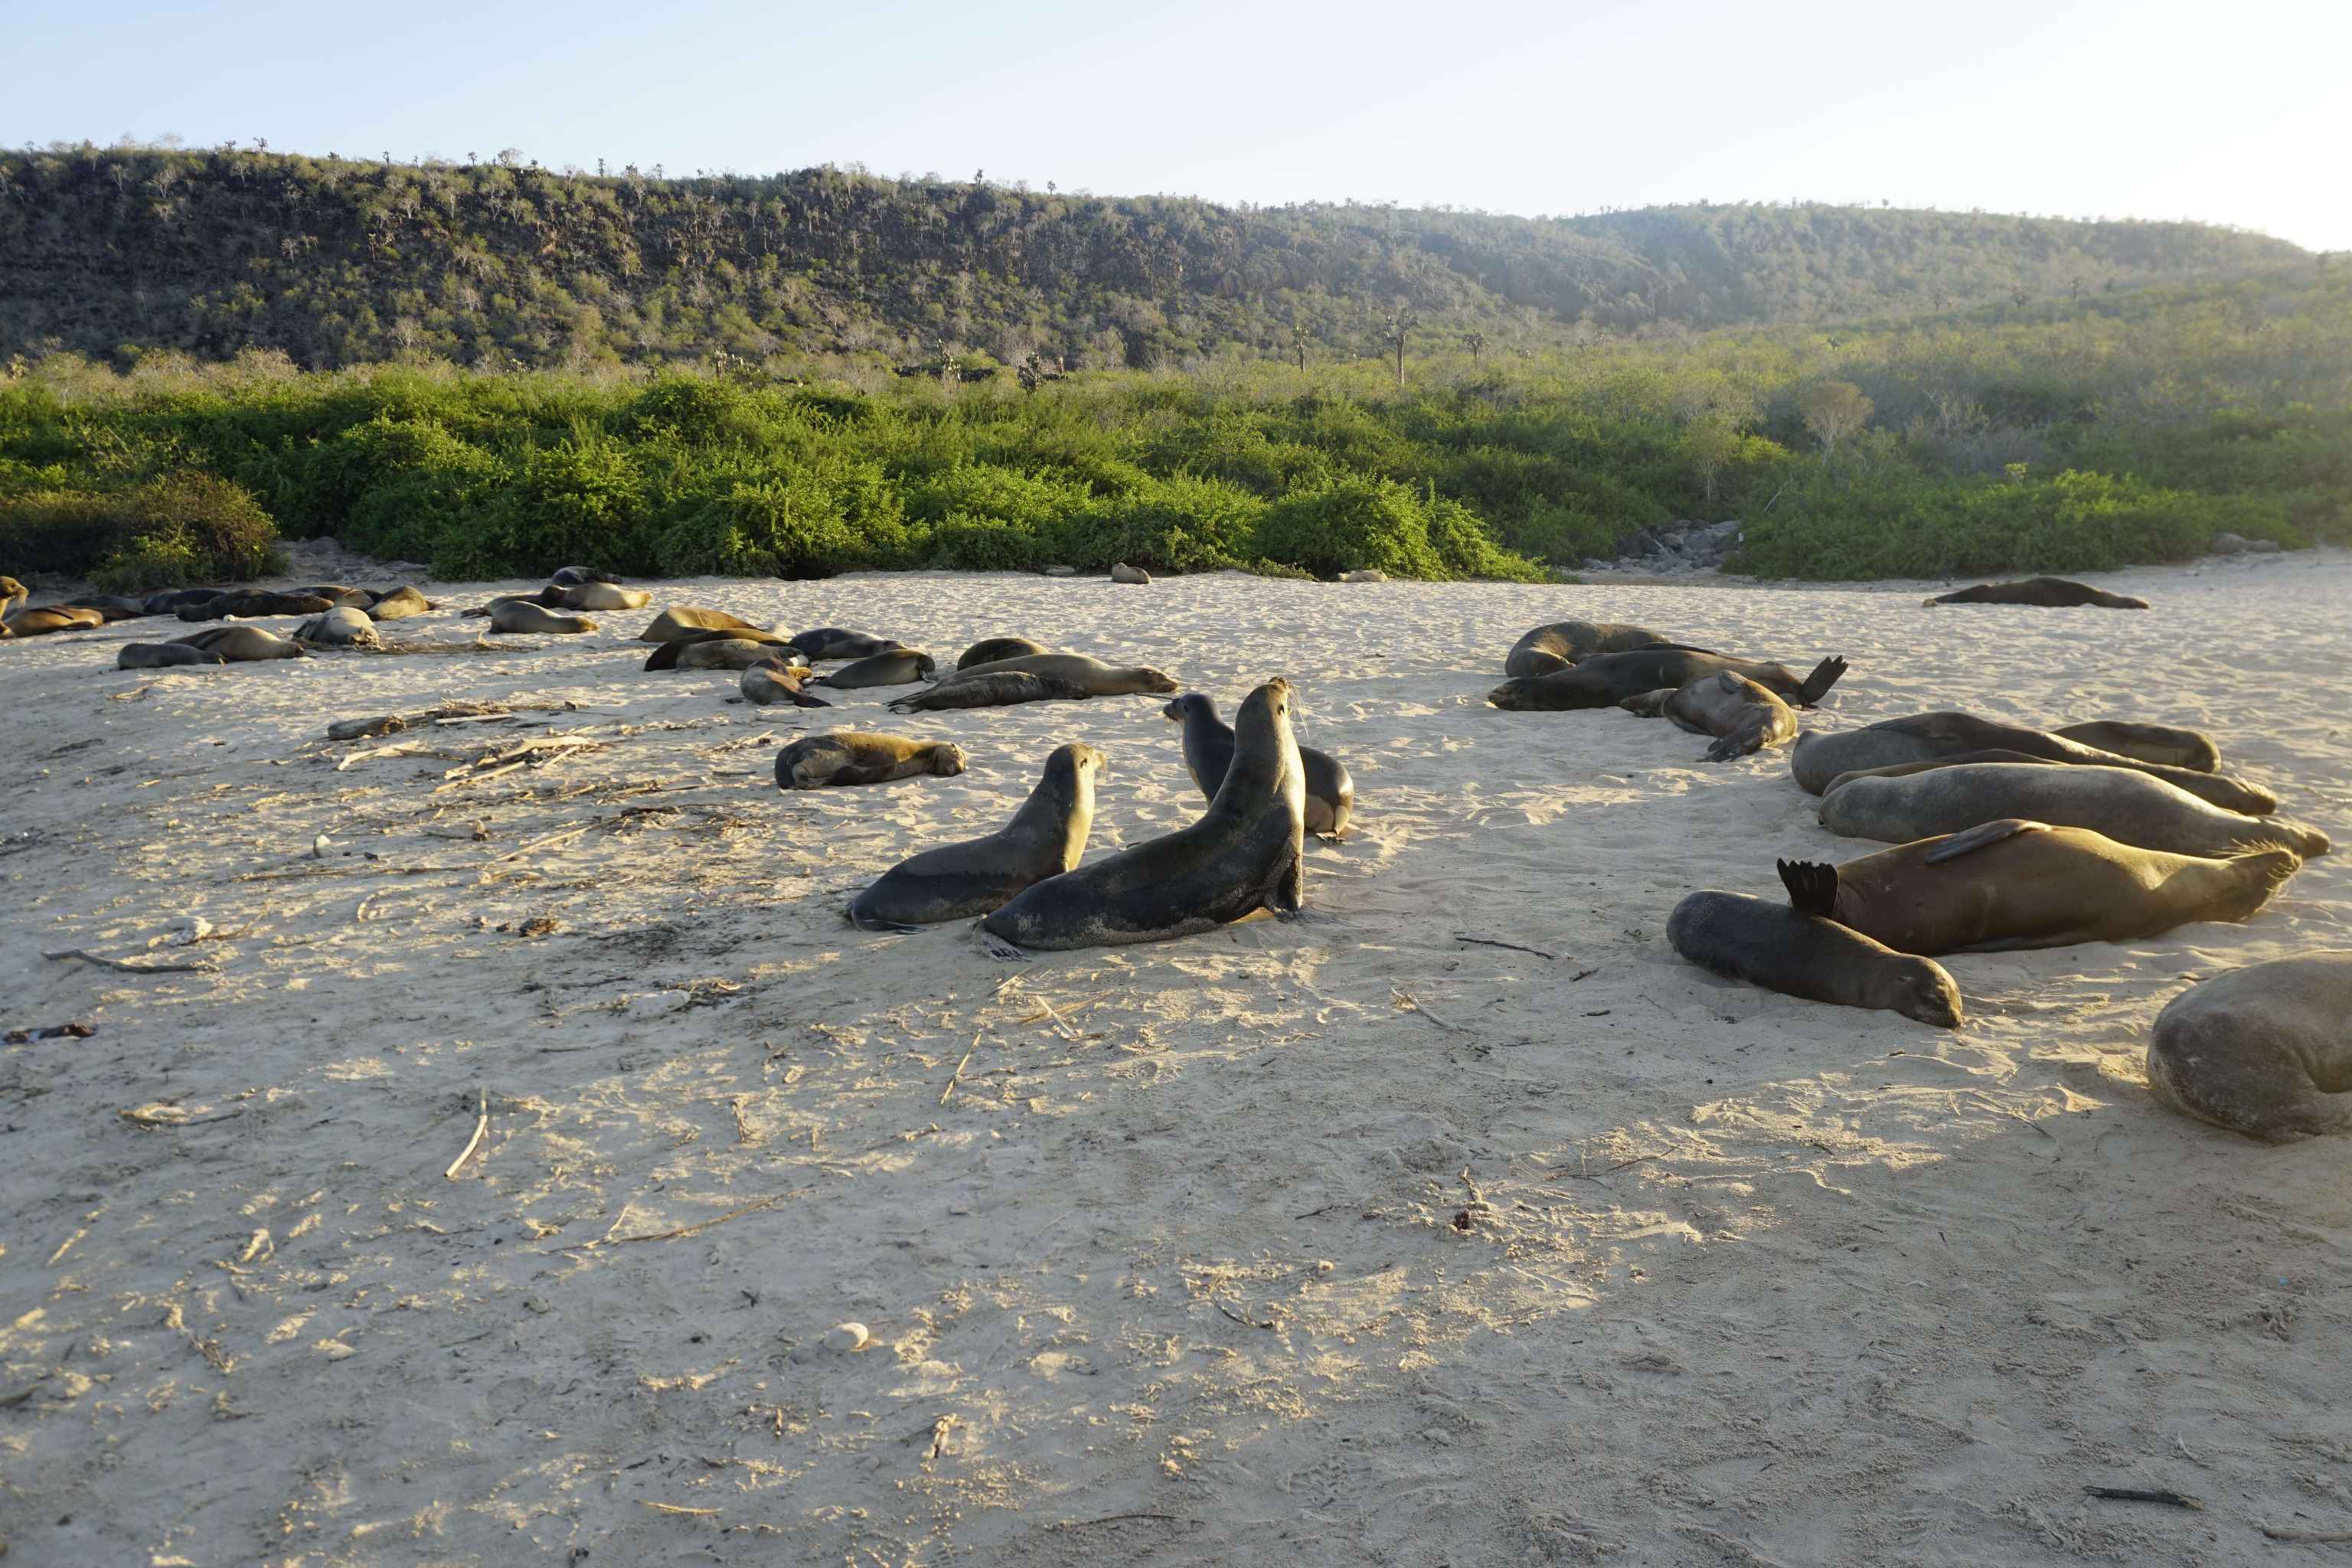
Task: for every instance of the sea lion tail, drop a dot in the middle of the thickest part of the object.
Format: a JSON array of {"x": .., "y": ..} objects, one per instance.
[
  {"x": 1813, "y": 887},
  {"x": 802, "y": 700},
  {"x": 1817, "y": 685}
]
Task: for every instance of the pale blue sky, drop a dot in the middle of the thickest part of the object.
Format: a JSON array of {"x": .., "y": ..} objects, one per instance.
[{"x": 2232, "y": 112}]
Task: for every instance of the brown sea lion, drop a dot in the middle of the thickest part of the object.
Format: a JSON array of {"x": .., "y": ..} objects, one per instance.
[
  {"x": 2262, "y": 1051},
  {"x": 1798, "y": 954},
  {"x": 1820, "y": 757},
  {"x": 253, "y": 602},
  {"x": 717, "y": 653},
  {"x": 2163, "y": 743},
  {"x": 772, "y": 680},
  {"x": 1605, "y": 679},
  {"x": 12, "y": 594},
  {"x": 113, "y": 607},
  {"x": 898, "y": 666},
  {"x": 2049, "y": 593},
  {"x": 161, "y": 655},
  {"x": 1209, "y": 756},
  {"x": 1003, "y": 689},
  {"x": 679, "y": 619},
  {"x": 1247, "y": 853},
  {"x": 831, "y": 643},
  {"x": 2130, "y": 807},
  {"x": 1091, "y": 676},
  {"x": 1548, "y": 649},
  {"x": 855, "y": 757},
  {"x": 398, "y": 603},
  {"x": 1742, "y": 716},
  {"x": 989, "y": 650},
  {"x": 673, "y": 649},
  {"x": 602, "y": 596},
  {"x": 242, "y": 645},
  {"x": 51, "y": 618},
  {"x": 1956, "y": 760},
  {"x": 522, "y": 616},
  {"x": 2015, "y": 884},
  {"x": 1045, "y": 837},
  {"x": 338, "y": 595}
]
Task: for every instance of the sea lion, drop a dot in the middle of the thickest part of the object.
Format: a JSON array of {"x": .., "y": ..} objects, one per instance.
[
  {"x": 398, "y": 603},
  {"x": 2016, "y": 884},
  {"x": 12, "y": 594},
  {"x": 1741, "y": 715},
  {"x": 2128, "y": 806},
  {"x": 1604, "y": 680},
  {"x": 898, "y": 667},
  {"x": 855, "y": 757},
  {"x": 252, "y": 602},
  {"x": 162, "y": 655},
  {"x": 1245, "y": 853},
  {"x": 719, "y": 653},
  {"x": 2163, "y": 743},
  {"x": 522, "y": 616},
  {"x": 243, "y": 645},
  {"x": 173, "y": 602},
  {"x": 602, "y": 596},
  {"x": 672, "y": 651},
  {"x": 1045, "y": 837},
  {"x": 771, "y": 680},
  {"x": 1122, "y": 572},
  {"x": 1003, "y": 689},
  {"x": 338, "y": 594},
  {"x": 1554, "y": 647},
  {"x": 2050, "y": 593},
  {"x": 574, "y": 577},
  {"x": 51, "y": 618},
  {"x": 679, "y": 619},
  {"x": 989, "y": 650},
  {"x": 113, "y": 607},
  {"x": 831, "y": 643},
  {"x": 2261, "y": 1050},
  {"x": 1798, "y": 954},
  {"x": 1958, "y": 760},
  {"x": 339, "y": 627},
  {"x": 1820, "y": 757},
  {"x": 1209, "y": 754},
  {"x": 1090, "y": 676}
]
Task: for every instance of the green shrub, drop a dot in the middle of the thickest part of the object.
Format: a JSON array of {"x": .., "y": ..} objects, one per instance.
[
  {"x": 1180, "y": 524},
  {"x": 189, "y": 527},
  {"x": 1348, "y": 525},
  {"x": 582, "y": 500},
  {"x": 961, "y": 542}
]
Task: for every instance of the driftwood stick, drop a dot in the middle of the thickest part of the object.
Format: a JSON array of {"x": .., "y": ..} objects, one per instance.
[
  {"x": 771, "y": 1200},
  {"x": 1416, "y": 1003},
  {"x": 2317, "y": 1537},
  {"x": 565, "y": 837},
  {"x": 481, "y": 1127},
  {"x": 959, "y": 1071},
  {"x": 1514, "y": 946},
  {"x": 2145, "y": 1494},
  {"x": 199, "y": 967},
  {"x": 1110, "y": 1519}
]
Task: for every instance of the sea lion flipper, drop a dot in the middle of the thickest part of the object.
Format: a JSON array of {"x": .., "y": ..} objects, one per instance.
[
  {"x": 1817, "y": 685},
  {"x": 664, "y": 656},
  {"x": 996, "y": 947},
  {"x": 802, "y": 700},
  {"x": 1982, "y": 837},
  {"x": 1813, "y": 887}
]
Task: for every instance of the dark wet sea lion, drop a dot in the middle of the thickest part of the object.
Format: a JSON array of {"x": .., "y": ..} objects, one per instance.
[
  {"x": 856, "y": 757},
  {"x": 161, "y": 655},
  {"x": 988, "y": 650},
  {"x": 771, "y": 681},
  {"x": 1606, "y": 679},
  {"x": 51, "y": 618},
  {"x": 2128, "y": 806},
  {"x": 173, "y": 602},
  {"x": 397, "y": 604},
  {"x": 898, "y": 667},
  {"x": 674, "y": 647},
  {"x": 681, "y": 619},
  {"x": 2262, "y": 1050},
  {"x": 830, "y": 643},
  {"x": 252, "y": 602},
  {"x": 1209, "y": 753},
  {"x": 523, "y": 615},
  {"x": 2049, "y": 593},
  {"x": 1045, "y": 837},
  {"x": 1742, "y": 716},
  {"x": 1247, "y": 853},
  {"x": 2015, "y": 884},
  {"x": 242, "y": 645},
  {"x": 1919, "y": 737},
  {"x": 1004, "y": 689},
  {"x": 1548, "y": 649},
  {"x": 1776, "y": 947},
  {"x": 572, "y": 577},
  {"x": 1090, "y": 675},
  {"x": 2162, "y": 743}
]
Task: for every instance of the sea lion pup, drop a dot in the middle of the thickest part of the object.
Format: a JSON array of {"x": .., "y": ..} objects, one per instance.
[
  {"x": 1605, "y": 679},
  {"x": 2128, "y": 807},
  {"x": 679, "y": 619},
  {"x": 1245, "y": 853},
  {"x": 771, "y": 680},
  {"x": 898, "y": 666},
  {"x": 1554, "y": 647},
  {"x": 1045, "y": 839},
  {"x": 2050, "y": 593},
  {"x": 2176, "y": 748},
  {"x": 719, "y": 653},
  {"x": 2261, "y": 1050},
  {"x": 1798, "y": 954},
  {"x": 601, "y": 596},
  {"x": 171, "y": 603},
  {"x": 989, "y": 650},
  {"x": 1003, "y": 689},
  {"x": 51, "y": 618},
  {"x": 1209, "y": 753},
  {"x": 2016, "y": 884},
  {"x": 162, "y": 655},
  {"x": 339, "y": 627},
  {"x": 1090, "y": 676},
  {"x": 522, "y": 616},
  {"x": 831, "y": 643},
  {"x": 1742, "y": 716},
  {"x": 397, "y": 604},
  {"x": 673, "y": 649},
  {"x": 1920, "y": 736},
  {"x": 12, "y": 594},
  {"x": 243, "y": 645},
  {"x": 855, "y": 757},
  {"x": 574, "y": 577}
]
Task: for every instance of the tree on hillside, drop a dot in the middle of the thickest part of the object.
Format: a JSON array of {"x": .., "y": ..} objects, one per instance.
[
  {"x": 1299, "y": 346},
  {"x": 1712, "y": 442},
  {"x": 1833, "y": 410},
  {"x": 1394, "y": 327},
  {"x": 1477, "y": 342}
]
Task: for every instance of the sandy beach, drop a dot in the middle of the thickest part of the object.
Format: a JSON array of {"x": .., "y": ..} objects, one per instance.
[{"x": 1369, "y": 1241}]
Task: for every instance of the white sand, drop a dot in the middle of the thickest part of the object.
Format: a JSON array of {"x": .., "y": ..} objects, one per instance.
[{"x": 1746, "y": 1279}]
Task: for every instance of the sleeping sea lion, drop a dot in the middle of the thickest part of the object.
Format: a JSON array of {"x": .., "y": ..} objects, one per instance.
[
  {"x": 339, "y": 627},
  {"x": 1742, "y": 716},
  {"x": 243, "y": 645},
  {"x": 1548, "y": 649},
  {"x": 162, "y": 655},
  {"x": 1209, "y": 754},
  {"x": 1090, "y": 676},
  {"x": 51, "y": 618},
  {"x": 12, "y": 594},
  {"x": 2128, "y": 806},
  {"x": 717, "y": 653},
  {"x": 2051, "y": 592},
  {"x": 898, "y": 666},
  {"x": 1003, "y": 689},
  {"x": 602, "y": 596},
  {"x": 522, "y": 616},
  {"x": 988, "y": 650},
  {"x": 830, "y": 643},
  {"x": 771, "y": 680},
  {"x": 250, "y": 602},
  {"x": 2015, "y": 884},
  {"x": 1920, "y": 736},
  {"x": 398, "y": 603},
  {"x": 178, "y": 599},
  {"x": 338, "y": 595},
  {"x": 113, "y": 607},
  {"x": 673, "y": 649},
  {"x": 1779, "y": 948},
  {"x": 1045, "y": 837},
  {"x": 572, "y": 577},
  {"x": 2261, "y": 1050},
  {"x": 1244, "y": 853},
  {"x": 2163, "y": 743},
  {"x": 854, "y": 757},
  {"x": 1605, "y": 679},
  {"x": 679, "y": 619}
]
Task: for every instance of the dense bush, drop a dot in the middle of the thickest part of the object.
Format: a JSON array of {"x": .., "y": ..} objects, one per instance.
[{"x": 179, "y": 529}]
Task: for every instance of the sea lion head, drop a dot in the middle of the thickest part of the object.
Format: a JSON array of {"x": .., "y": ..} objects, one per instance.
[
  {"x": 1512, "y": 695},
  {"x": 1156, "y": 681},
  {"x": 946, "y": 759},
  {"x": 925, "y": 665},
  {"x": 1072, "y": 766},
  {"x": 1189, "y": 706},
  {"x": 1920, "y": 988}
]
